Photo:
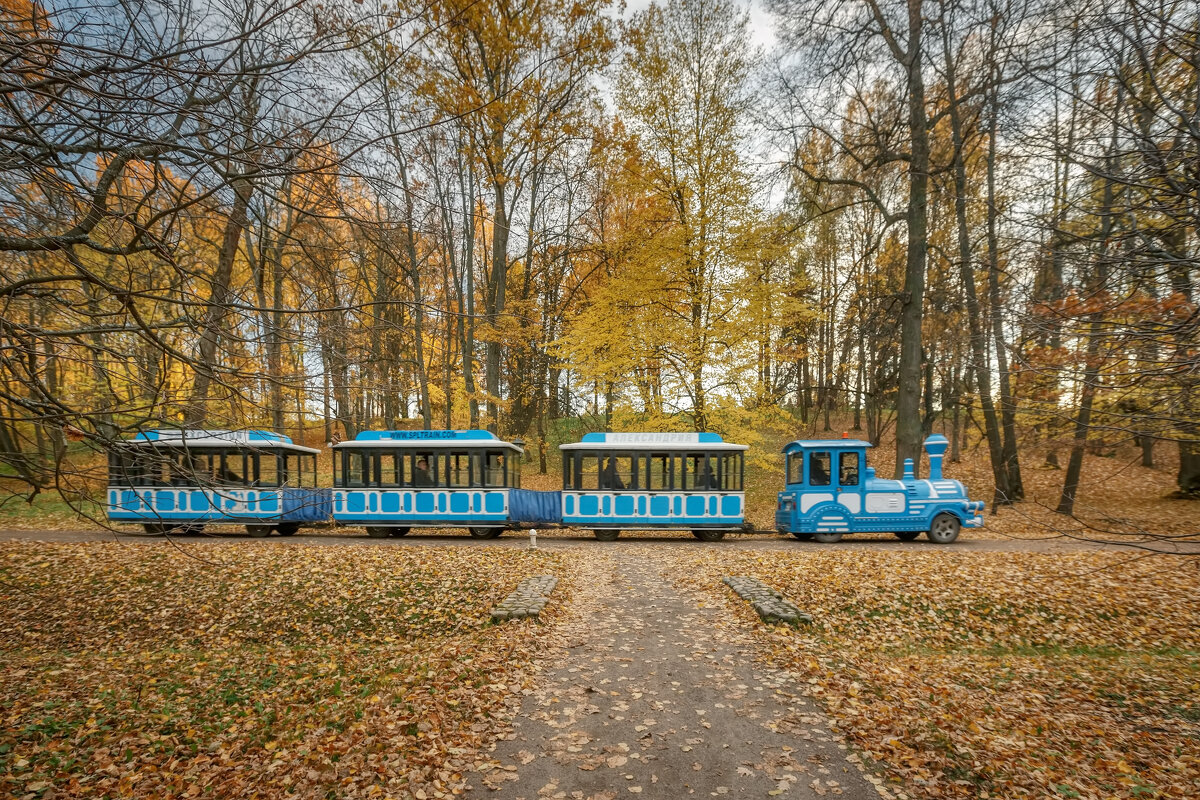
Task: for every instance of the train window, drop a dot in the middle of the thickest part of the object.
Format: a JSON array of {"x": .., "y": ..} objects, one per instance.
[
  {"x": 819, "y": 469},
  {"x": 616, "y": 471},
  {"x": 233, "y": 469},
  {"x": 458, "y": 466},
  {"x": 267, "y": 469},
  {"x": 731, "y": 472},
  {"x": 309, "y": 475},
  {"x": 588, "y": 474},
  {"x": 356, "y": 468},
  {"x": 190, "y": 470},
  {"x": 848, "y": 469},
  {"x": 290, "y": 475},
  {"x": 514, "y": 479},
  {"x": 795, "y": 467},
  {"x": 699, "y": 474},
  {"x": 425, "y": 471},
  {"x": 494, "y": 468},
  {"x": 657, "y": 475},
  {"x": 391, "y": 469}
]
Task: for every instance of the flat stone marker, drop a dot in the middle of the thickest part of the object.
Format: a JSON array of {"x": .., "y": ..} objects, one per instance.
[
  {"x": 770, "y": 604},
  {"x": 527, "y": 600}
]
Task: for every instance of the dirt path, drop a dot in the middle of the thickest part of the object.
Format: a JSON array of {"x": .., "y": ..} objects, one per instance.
[
  {"x": 678, "y": 539},
  {"x": 657, "y": 696}
]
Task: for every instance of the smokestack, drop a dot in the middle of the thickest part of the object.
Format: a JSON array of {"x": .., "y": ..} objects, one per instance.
[{"x": 936, "y": 446}]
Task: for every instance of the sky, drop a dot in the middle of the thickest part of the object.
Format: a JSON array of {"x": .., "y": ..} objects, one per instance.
[{"x": 762, "y": 27}]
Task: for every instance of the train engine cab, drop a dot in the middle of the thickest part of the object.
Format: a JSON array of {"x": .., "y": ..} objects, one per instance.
[
  {"x": 393, "y": 481},
  {"x": 627, "y": 481},
  {"x": 180, "y": 480},
  {"x": 831, "y": 491}
]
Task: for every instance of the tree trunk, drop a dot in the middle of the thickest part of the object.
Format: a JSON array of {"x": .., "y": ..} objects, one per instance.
[{"x": 217, "y": 307}]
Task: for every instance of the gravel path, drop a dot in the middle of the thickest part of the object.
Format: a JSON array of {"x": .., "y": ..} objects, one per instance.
[
  {"x": 655, "y": 694},
  {"x": 560, "y": 539}
]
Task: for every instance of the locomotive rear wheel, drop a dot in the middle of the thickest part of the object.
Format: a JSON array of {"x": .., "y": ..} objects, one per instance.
[
  {"x": 157, "y": 528},
  {"x": 606, "y": 536},
  {"x": 907, "y": 536},
  {"x": 287, "y": 528},
  {"x": 258, "y": 531},
  {"x": 400, "y": 531},
  {"x": 944, "y": 528},
  {"x": 802, "y": 536},
  {"x": 376, "y": 532},
  {"x": 707, "y": 535},
  {"x": 485, "y": 533},
  {"x": 827, "y": 538}
]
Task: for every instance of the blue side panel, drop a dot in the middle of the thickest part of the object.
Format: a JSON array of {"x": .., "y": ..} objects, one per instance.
[
  {"x": 494, "y": 503},
  {"x": 730, "y": 506},
  {"x": 424, "y": 503},
  {"x": 589, "y": 505},
  {"x": 526, "y": 505},
  {"x": 695, "y": 506},
  {"x": 356, "y": 502},
  {"x": 660, "y": 506},
  {"x": 460, "y": 503},
  {"x": 623, "y": 506}
]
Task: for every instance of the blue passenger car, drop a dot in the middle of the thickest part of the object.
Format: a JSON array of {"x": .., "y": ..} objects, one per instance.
[
  {"x": 179, "y": 480},
  {"x": 623, "y": 481},
  {"x": 831, "y": 491},
  {"x": 393, "y": 481}
]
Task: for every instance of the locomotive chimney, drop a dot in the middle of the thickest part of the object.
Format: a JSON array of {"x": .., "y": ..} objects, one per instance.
[{"x": 936, "y": 446}]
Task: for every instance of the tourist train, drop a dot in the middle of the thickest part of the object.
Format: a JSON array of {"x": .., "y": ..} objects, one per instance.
[{"x": 390, "y": 482}]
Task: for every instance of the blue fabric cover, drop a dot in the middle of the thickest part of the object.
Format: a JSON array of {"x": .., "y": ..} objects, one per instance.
[
  {"x": 529, "y": 506},
  {"x": 307, "y": 505}
]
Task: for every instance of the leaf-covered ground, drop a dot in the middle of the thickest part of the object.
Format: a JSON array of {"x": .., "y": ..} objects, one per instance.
[
  {"x": 998, "y": 675},
  {"x": 235, "y": 672}
]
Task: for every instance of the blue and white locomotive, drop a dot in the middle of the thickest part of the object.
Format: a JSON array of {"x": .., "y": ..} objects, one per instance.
[
  {"x": 622, "y": 481},
  {"x": 180, "y": 480},
  {"x": 831, "y": 491},
  {"x": 393, "y": 481}
]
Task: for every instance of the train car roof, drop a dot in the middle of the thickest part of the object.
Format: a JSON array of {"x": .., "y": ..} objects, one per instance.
[
  {"x": 211, "y": 439},
  {"x": 648, "y": 440},
  {"x": 428, "y": 439},
  {"x": 824, "y": 444}
]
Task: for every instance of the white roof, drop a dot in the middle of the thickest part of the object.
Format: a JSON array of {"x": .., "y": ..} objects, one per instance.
[
  {"x": 427, "y": 444},
  {"x": 651, "y": 440},
  {"x": 211, "y": 439}
]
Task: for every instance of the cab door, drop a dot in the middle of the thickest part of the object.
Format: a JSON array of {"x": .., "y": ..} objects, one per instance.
[{"x": 848, "y": 480}]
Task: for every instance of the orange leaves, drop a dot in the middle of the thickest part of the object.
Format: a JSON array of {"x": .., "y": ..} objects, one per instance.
[
  {"x": 999, "y": 675},
  {"x": 135, "y": 670}
]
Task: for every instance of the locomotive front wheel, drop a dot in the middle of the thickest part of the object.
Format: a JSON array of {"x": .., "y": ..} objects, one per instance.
[
  {"x": 827, "y": 538},
  {"x": 907, "y": 536},
  {"x": 606, "y": 536},
  {"x": 485, "y": 533},
  {"x": 400, "y": 531},
  {"x": 258, "y": 531},
  {"x": 287, "y": 528},
  {"x": 376, "y": 532},
  {"x": 944, "y": 529},
  {"x": 706, "y": 535},
  {"x": 802, "y": 536},
  {"x": 158, "y": 528}
]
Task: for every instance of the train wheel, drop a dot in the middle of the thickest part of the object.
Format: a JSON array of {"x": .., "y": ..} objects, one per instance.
[
  {"x": 944, "y": 528},
  {"x": 606, "y": 536},
  {"x": 708, "y": 535},
  {"x": 287, "y": 528},
  {"x": 158, "y": 528},
  {"x": 485, "y": 533},
  {"x": 827, "y": 538},
  {"x": 378, "y": 533},
  {"x": 400, "y": 531},
  {"x": 907, "y": 536},
  {"x": 802, "y": 536},
  {"x": 258, "y": 531}
]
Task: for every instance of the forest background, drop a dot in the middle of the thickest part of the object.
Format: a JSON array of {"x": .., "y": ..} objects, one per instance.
[{"x": 550, "y": 216}]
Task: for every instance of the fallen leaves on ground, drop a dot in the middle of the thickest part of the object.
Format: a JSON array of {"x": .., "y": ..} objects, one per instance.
[
  {"x": 230, "y": 671},
  {"x": 998, "y": 675}
]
